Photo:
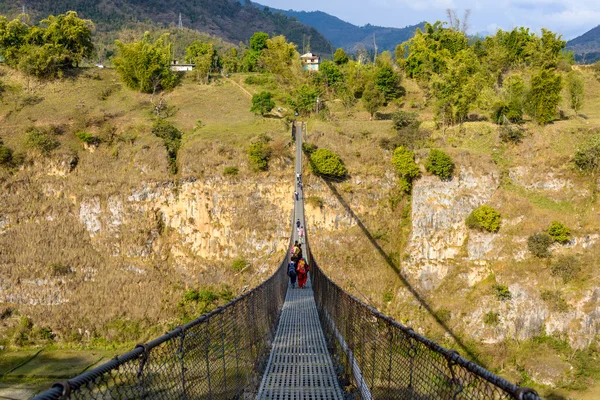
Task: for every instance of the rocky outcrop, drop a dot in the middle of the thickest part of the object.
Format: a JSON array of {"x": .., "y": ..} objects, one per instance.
[{"x": 439, "y": 209}]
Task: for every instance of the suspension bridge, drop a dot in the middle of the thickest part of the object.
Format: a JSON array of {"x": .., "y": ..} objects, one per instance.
[{"x": 279, "y": 342}]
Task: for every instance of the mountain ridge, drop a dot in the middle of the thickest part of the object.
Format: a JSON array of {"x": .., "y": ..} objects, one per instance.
[
  {"x": 217, "y": 17},
  {"x": 349, "y": 36},
  {"x": 587, "y": 46}
]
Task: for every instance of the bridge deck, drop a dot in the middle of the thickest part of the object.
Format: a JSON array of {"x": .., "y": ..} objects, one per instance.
[{"x": 299, "y": 366}]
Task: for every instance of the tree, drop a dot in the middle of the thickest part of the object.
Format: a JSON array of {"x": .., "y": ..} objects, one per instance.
[
  {"x": 345, "y": 94},
  {"x": 544, "y": 96},
  {"x": 372, "y": 99},
  {"x": 575, "y": 84},
  {"x": 144, "y": 65},
  {"x": 230, "y": 61},
  {"x": 440, "y": 164},
  {"x": 204, "y": 56},
  {"x": 304, "y": 99},
  {"x": 388, "y": 82},
  {"x": 330, "y": 73},
  {"x": 258, "y": 42},
  {"x": 262, "y": 103},
  {"x": 72, "y": 35},
  {"x": 277, "y": 58},
  {"x": 340, "y": 57}
]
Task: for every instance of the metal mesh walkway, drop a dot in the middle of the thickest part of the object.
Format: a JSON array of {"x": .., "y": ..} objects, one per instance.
[{"x": 300, "y": 366}]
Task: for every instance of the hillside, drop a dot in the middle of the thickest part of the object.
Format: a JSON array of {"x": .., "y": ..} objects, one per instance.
[
  {"x": 89, "y": 228},
  {"x": 227, "y": 19},
  {"x": 586, "y": 46},
  {"x": 348, "y": 36}
]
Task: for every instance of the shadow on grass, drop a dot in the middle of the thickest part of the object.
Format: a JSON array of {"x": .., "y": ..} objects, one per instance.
[{"x": 422, "y": 301}]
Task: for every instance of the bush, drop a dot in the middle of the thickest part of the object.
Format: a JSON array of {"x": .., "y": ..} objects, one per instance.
[
  {"x": 443, "y": 315},
  {"x": 314, "y": 201},
  {"x": 171, "y": 137},
  {"x": 6, "y": 155},
  {"x": 325, "y": 162},
  {"x": 587, "y": 156},
  {"x": 262, "y": 103},
  {"x": 404, "y": 162},
  {"x": 40, "y": 140},
  {"x": 231, "y": 171},
  {"x": 309, "y": 148},
  {"x": 259, "y": 153},
  {"x": 484, "y": 218},
  {"x": 559, "y": 233},
  {"x": 440, "y": 164},
  {"x": 511, "y": 133},
  {"x": 554, "y": 300},
  {"x": 502, "y": 293},
  {"x": 565, "y": 267},
  {"x": 539, "y": 245},
  {"x": 388, "y": 296},
  {"x": 402, "y": 119},
  {"x": 239, "y": 264},
  {"x": 88, "y": 138},
  {"x": 58, "y": 269},
  {"x": 491, "y": 318}
]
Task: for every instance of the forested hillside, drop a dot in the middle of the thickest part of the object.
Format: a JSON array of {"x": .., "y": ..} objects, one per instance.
[
  {"x": 587, "y": 46},
  {"x": 227, "y": 19},
  {"x": 348, "y": 36}
]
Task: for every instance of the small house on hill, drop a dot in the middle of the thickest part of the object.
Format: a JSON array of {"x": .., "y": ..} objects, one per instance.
[
  {"x": 181, "y": 67},
  {"x": 310, "y": 62}
]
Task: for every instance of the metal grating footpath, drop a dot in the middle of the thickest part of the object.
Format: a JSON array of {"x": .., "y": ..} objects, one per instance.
[{"x": 300, "y": 366}]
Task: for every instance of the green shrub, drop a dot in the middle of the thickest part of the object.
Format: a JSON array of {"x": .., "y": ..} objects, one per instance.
[
  {"x": 443, "y": 315},
  {"x": 554, "y": 300},
  {"x": 484, "y": 218},
  {"x": 440, "y": 164},
  {"x": 502, "y": 293},
  {"x": 565, "y": 267},
  {"x": 239, "y": 264},
  {"x": 587, "y": 156},
  {"x": 388, "y": 296},
  {"x": 262, "y": 103},
  {"x": 309, "y": 148},
  {"x": 204, "y": 295},
  {"x": 404, "y": 161},
  {"x": 511, "y": 133},
  {"x": 6, "y": 155},
  {"x": 57, "y": 269},
  {"x": 171, "y": 137},
  {"x": 314, "y": 201},
  {"x": 259, "y": 153},
  {"x": 491, "y": 318},
  {"x": 559, "y": 233},
  {"x": 88, "y": 138},
  {"x": 231, "y": 171},
  {"x": 325, "y": 162},
  {"x": 402, "y": 119},
  {"x": 40, "y": 140},
  {"x": 539, "y": 244},
  {"x": 258, "y": 80}
]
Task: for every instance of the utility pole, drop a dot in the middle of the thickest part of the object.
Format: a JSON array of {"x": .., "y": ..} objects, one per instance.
[{"x": 180, "y": 24}]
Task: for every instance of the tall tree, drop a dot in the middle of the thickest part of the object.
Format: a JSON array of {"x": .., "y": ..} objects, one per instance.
[
  {"x": 340, "y": 57},
  {"x": 576, "y": 86},
  {"x": 144, "y": 65},
  {"x": 372, "y": 99},
  {"x": 544, "y": 96}
]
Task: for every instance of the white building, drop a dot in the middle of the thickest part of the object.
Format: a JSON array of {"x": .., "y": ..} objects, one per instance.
[
  {"x": 181, "y": 67},
  {"x": 310, "y": 62}
]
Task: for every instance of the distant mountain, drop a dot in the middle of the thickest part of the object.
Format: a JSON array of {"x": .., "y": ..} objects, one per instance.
[
  {"x": 228, "y": 19},
  {"x": 348, "y": 36},
  {"x": 586, "y": 46}
]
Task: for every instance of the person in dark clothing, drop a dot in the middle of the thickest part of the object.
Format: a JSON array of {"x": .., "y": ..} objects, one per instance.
[
  {"x": 296, "y": 194},
  {"x": 300, "y": 252},
  {"x": 298, "y": 223},
  {"x": 292, "y": 273}
]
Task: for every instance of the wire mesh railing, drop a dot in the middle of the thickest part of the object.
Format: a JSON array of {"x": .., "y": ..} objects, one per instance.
[
  {"x": 221, "y": 355},
  {"x": 387, "y": 360}
]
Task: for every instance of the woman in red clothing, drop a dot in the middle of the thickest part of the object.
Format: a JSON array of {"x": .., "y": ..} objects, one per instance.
[{"x": 302, "y": 272}]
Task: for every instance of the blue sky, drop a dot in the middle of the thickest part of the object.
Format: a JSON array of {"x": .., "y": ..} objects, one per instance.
[{"x": 570, "y": 18}]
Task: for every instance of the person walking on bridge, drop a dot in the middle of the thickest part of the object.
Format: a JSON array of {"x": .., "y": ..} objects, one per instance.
[
  {"x": 292, "y": 273},
  {"x": 301, "y": 234},
  {"x": 302, "y": 272}
]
